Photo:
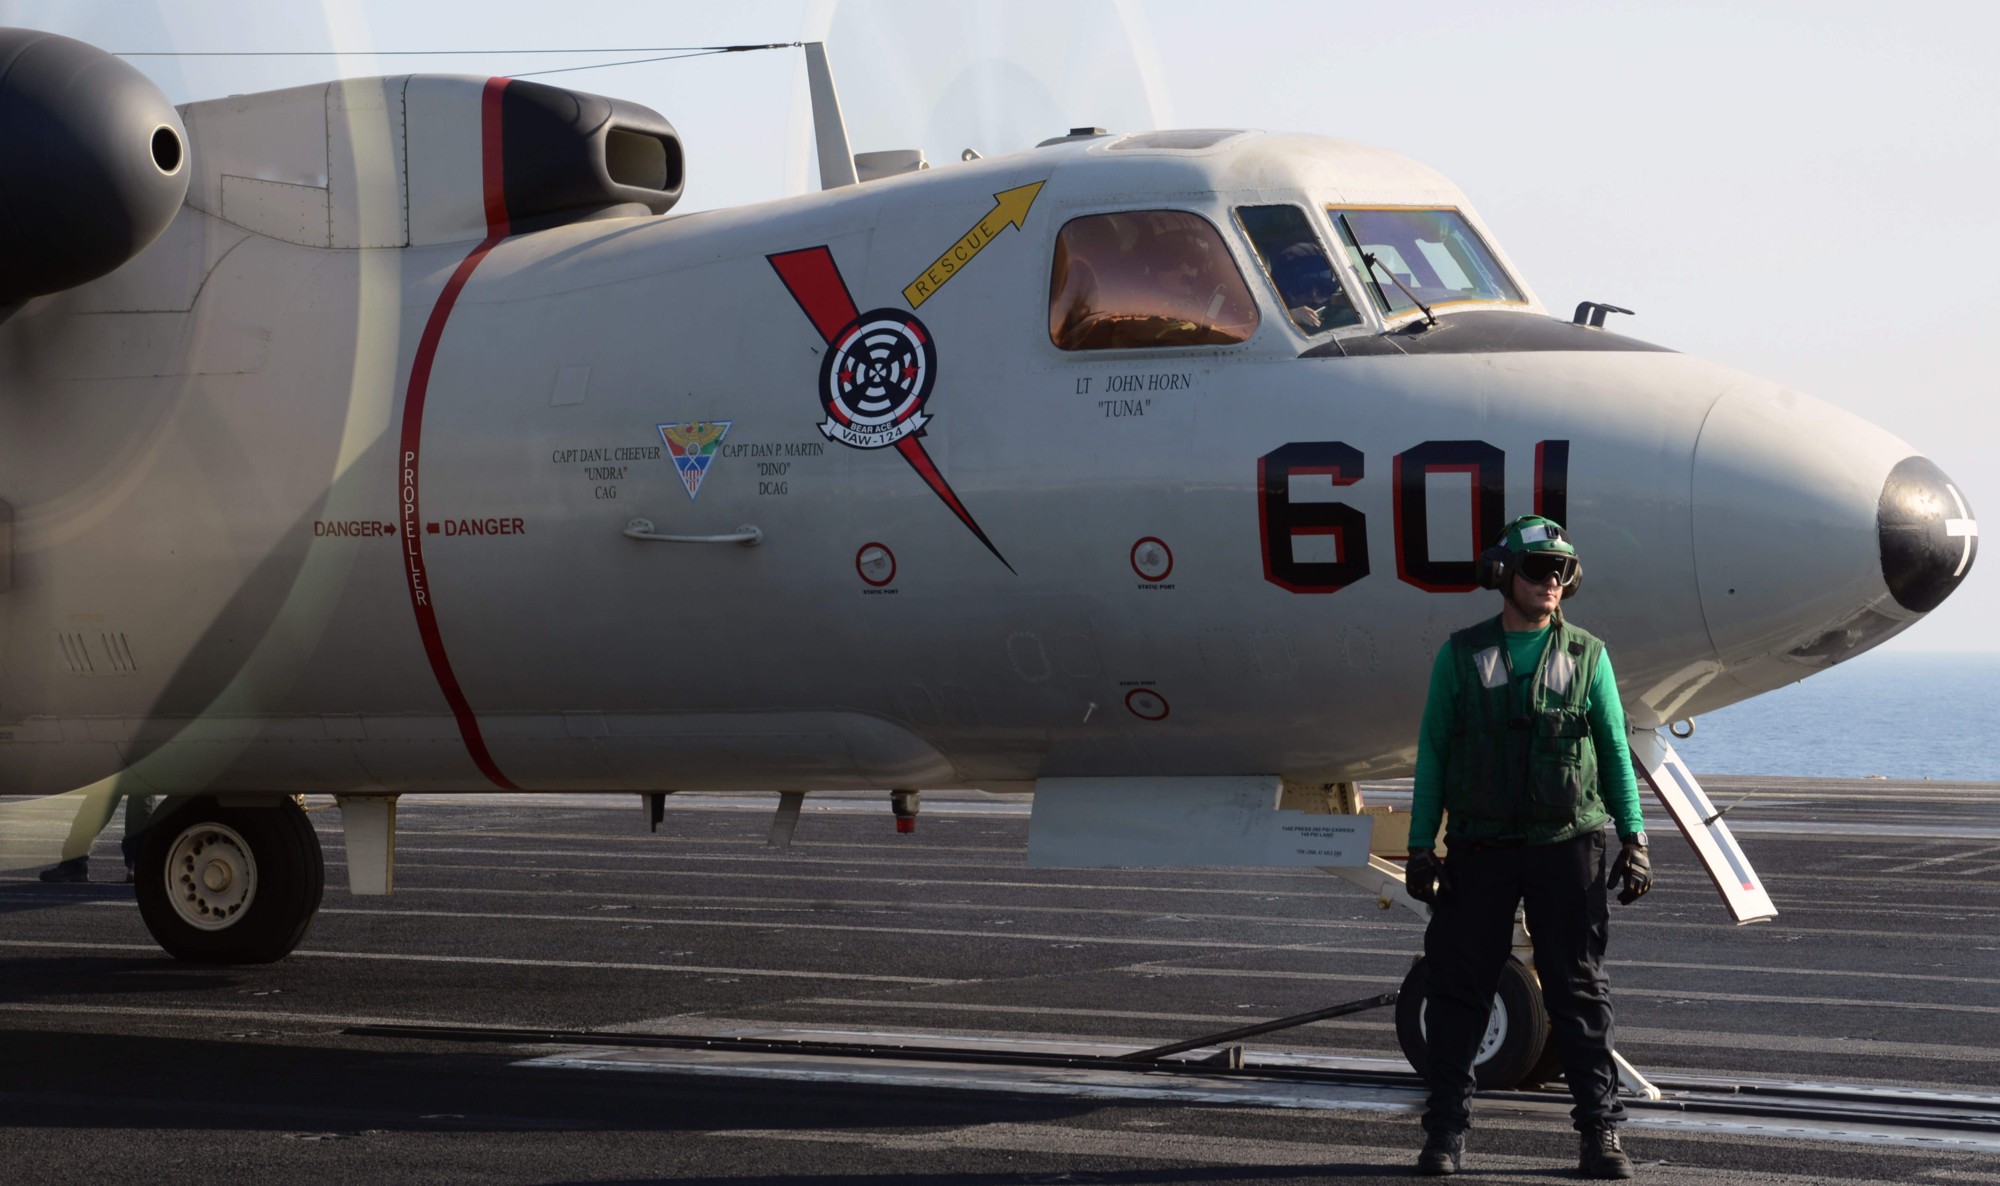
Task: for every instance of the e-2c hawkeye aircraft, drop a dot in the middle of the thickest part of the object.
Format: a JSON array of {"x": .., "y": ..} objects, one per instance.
[{"x": 393, "y": 435}]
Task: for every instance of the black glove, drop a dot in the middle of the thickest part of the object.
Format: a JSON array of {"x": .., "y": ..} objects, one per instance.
[
  {"x": 1424, "y": 877},
  {"x": 1633, "y": 873}
]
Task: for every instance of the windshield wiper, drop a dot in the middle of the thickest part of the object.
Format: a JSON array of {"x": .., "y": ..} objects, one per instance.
[
  {"x": 1373, "y": 265},
  {"x": 1368, "y": 257}
]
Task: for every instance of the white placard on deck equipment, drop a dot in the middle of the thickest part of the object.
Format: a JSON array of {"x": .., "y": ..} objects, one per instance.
[{"x": 1130, "y": 823}]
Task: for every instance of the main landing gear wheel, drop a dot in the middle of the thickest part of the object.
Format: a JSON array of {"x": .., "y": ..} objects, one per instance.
[
  {"x": 1517, "y": 1033},
  {"x": 230, "y": 885}
]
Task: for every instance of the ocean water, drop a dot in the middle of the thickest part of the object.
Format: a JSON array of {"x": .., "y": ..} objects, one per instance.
[{"x": 1903, "y": 714}]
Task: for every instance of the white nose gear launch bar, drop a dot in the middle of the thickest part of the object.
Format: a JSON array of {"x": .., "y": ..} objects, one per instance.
[{"x": 1675, "y": 786}]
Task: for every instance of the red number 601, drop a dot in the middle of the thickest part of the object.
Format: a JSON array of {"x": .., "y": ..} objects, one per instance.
[{"x": 1281, "y": 521}]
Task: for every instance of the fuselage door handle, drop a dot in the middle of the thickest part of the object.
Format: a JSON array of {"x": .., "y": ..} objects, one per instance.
[{"x": 745, "y": 535}]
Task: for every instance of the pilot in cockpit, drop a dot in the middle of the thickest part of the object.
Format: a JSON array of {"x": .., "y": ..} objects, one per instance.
[{"x": 1304, "y": 278}]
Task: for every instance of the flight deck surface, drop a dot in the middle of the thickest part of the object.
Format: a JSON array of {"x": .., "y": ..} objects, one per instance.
[{"x": 543, "y": 913}]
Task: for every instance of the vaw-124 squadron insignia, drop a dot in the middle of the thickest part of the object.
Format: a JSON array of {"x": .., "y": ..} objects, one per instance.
[
  {"x": 877, "y": 374},
  {"x": 876, "y": 378},
  {"x": 693, "y": 447}
]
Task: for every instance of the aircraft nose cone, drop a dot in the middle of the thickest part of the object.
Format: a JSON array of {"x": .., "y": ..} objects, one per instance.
[
  {"x": 1794, "y": 502},
  {"x": 1928, "y": 535}
]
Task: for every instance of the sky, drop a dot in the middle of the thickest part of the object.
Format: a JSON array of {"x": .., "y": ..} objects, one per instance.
[{"x": 1800, "y": 190}]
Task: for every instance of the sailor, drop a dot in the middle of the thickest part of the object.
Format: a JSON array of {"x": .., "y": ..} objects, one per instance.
[
  {"x": 88, "y": 823},
  {"x": 1523, "y": 748}
]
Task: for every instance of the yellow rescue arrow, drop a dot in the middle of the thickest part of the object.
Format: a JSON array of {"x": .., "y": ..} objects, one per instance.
[{"x": 1009, "y": 206}]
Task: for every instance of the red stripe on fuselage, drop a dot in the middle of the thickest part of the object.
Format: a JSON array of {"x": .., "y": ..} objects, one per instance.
[
  {"x": 815, "y": 283},
  {"x": 492, "y": 157},
  {"x": 422, "y": 601},
  {"x": 913, "y": 452}
]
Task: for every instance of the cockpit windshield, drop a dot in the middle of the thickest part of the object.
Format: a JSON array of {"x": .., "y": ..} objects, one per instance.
[
  {"x": 1436, "y": 254},
  {"x": 1298, "y": 267}
]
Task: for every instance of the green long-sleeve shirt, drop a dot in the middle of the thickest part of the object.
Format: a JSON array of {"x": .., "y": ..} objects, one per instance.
[{"x": 1617, "y": 787}]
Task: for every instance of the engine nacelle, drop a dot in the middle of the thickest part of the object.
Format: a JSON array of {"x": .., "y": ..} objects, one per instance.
[{"x": 93, "y": 163}]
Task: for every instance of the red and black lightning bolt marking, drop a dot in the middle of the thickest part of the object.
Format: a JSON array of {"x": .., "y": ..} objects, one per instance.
[{"x": 815, "y": 283}]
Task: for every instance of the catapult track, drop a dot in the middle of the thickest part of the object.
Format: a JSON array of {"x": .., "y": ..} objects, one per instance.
[{"x": 1855, "y": 1107}]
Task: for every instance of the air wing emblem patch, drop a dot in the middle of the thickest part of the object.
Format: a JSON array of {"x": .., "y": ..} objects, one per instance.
[{"x": 693, "y": 445}]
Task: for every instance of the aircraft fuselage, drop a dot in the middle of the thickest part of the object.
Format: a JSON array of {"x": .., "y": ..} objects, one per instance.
[{"x": 312, "y": 518}]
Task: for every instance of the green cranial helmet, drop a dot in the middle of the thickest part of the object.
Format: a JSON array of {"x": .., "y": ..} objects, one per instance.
[
  {"x": 1533, "y": 533},
  {"x": 1531, "y": 536}
]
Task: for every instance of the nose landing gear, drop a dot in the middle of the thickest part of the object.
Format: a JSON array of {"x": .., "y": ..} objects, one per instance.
[{"x": 1515, "y": 1051}]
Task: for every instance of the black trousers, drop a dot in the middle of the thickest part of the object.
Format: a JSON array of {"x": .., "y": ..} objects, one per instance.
[{"x": 1470, "y": 936}]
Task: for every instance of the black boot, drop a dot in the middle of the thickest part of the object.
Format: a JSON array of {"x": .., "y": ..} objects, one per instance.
[
  {"x": 74, "y": 869},
  {"x": 1602, "y": 1157},
  {"x": 1441, "y": 1154}
]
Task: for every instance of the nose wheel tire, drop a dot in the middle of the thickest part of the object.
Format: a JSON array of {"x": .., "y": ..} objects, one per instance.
[
  {"x": 1517, "y": 1032},
  {"x": 1547, "y": 1069},
  {"x": 230, "y": 885}
]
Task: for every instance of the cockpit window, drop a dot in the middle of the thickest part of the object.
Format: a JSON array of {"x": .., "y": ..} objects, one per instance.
[
  {"x": 1435, "y": 253},
  {"x": 1298, "y": 267},
  {"x": 1141, "y": 278}
]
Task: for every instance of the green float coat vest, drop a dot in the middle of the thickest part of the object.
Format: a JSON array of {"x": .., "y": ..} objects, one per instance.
[{"x": 1522, "y": 767}]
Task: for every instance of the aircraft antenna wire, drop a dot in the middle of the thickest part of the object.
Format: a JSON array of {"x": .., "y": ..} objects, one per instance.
[
  {"x": 704, "y": 53},
  {"x": 667, "y": 53},
  {"x": 444, "y": 53}
]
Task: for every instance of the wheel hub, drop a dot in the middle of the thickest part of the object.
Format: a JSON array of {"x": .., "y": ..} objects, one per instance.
[
  {"x": 1496, "y": 1032},
  {"x": 1489, "y": 1042},
  {"x": 211, "y": 876}
]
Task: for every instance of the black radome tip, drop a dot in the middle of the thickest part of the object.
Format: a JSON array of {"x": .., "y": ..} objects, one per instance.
[{"x": 1928, "y": 534}]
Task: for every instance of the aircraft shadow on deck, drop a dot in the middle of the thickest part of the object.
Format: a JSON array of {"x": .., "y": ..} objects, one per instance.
[
  {"x": 23, "y": 896},
  {"x": 38, "y": 978},
  {"x": 261, "y": 1085},
  {"x": 1207, "y": 1173}
]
